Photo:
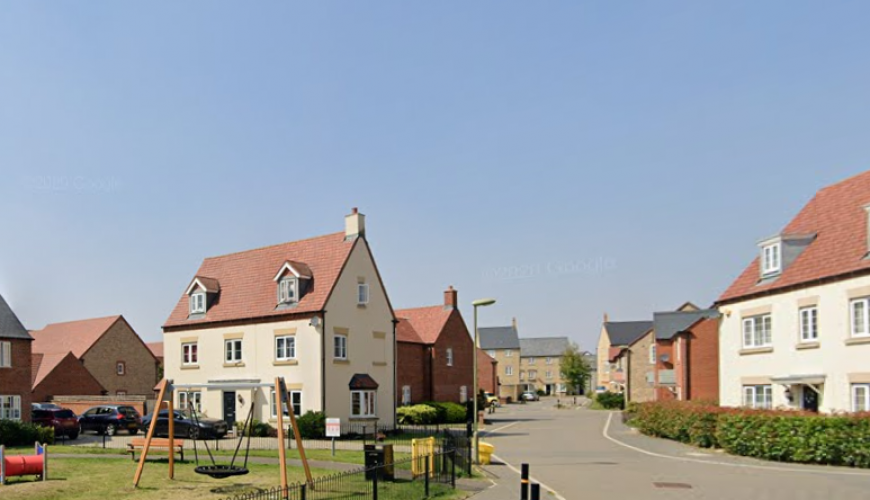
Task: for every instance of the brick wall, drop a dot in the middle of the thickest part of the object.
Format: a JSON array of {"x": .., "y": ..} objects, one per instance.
[
  {"x": 640, "y": 389},
  {"x": 487, "y": 372},
  {"x": 69, "y": 377},
  {"x": 702, "y": 370},
  {"x": 80, "y": 405},
  {"x": 665, "y": 348},
  {"x": 412, "y": 369},
  {"x": 121, "y": 343},
  {"x": 15, "y": 381},
  {"x": 447, "y": 380}
]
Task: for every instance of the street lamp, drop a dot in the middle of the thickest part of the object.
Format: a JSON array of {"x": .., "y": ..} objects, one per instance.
[{"x": 477, "y": 303}]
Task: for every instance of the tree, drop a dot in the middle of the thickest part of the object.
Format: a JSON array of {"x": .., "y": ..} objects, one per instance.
[{"x": 573, "y": 367}]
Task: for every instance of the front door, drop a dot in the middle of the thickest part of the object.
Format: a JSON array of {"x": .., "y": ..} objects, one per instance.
[
  {"x": 810, "y": 399},
  {"x": 230, "y": 408}
]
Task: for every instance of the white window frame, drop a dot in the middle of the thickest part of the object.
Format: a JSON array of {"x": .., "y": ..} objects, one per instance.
[
  {"x": 339, "y": 346},
  {"x": 5, "y": 354},
  {"x": 295, "y": 400},
  {"x": 808, "y": 318},
  {"x": 362, "y": 294},
  {"x": 771, "y": 259},
  {"x": 758, "y": 397},
  {"x": 532, "y": 360},
  {"x": 368, "y": 404},
  {"x": 10, "y": 407},
  {"x": 288, "y": 290},
  {"x": 463, "y": 394},
  {"x": 549, "y": 375},
  {"x": 194, "y": 396},
  {"x": 406, "y": 395},
  {"x": 862, "y": 329},
  {"x": 449, "y": 356},
  {"x": 121, "y": 368},
  {"x": 522, "y": 375},
  {"x": 491, "y": 354},
  {"x": 508, "y": 353},
  {"x": 865, "y": 388},
  {"x": 753, "y": 337},
  {"x": 533, "y": 374},
  {"x": 508, "y": 370},
  {"x": 233, "y": 351},
  {"x": 549, "y": 360},
  {"x": 197, "y": 303},
  {"x": 190, "y": 354},
  {"x": 652, "y": 354},
  {"x": 287, "y": 351}
]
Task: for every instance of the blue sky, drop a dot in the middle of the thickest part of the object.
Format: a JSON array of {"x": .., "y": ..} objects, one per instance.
[{"x": 567, "y": 158}]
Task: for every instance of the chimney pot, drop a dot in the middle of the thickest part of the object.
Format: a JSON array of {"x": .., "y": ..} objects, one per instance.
[{"x": 514, "y": 322}]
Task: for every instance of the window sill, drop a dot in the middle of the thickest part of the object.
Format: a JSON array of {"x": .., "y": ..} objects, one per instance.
[
  {"x": 361, "y": 306},
  {"x": 372, "y": 418},
  {"x": 285, "y": 362},
  {"x": 238, "y": 364},
  {"x": 190, "y": 367},
  {"x": 379, "y": 363},
  {"x": 341, "y": 361},
  {"x": 807, "y": 345},
  {"x": 858, "y": 341},
  {"x": 755, "y": 350}
]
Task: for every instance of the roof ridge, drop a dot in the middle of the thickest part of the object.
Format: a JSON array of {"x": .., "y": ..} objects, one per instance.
[
  {"x": 843, "y": 181},
  {"x": 112, "y": 316},
  {"x": 264, "y": 247},
  {"x": 441, "y": 307}
]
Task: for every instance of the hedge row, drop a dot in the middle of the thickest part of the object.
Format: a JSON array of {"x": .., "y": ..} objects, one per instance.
[
  {"x": 15, "y": 433},
  {"x": 432, "y": 413},
  {"x": 783, "y": 436}
]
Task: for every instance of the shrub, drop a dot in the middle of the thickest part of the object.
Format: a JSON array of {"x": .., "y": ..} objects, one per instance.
[
  {"x": 449, "y": 413},
  {"x": 611, "y": 400},
  {"x": 15, "y": 433},
  {"x": 417, "y": 415},
  {"x": 312, "y": 425},
  {"x": 258, "y": 429},
  {"x": 541, "y": 392}
]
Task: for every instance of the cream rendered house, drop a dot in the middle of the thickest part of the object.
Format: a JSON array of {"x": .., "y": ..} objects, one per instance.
[
  {"x": 795, "y": 326},
  {"x": 313, "y": 311}
]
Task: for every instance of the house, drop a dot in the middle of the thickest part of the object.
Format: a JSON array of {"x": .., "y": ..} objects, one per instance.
[
  {"x": 62, "y": 375},
  {"x": 15, "y": 369},
  {"x": 156, "y": 349},
  {"x": 313, "y": 311},
  {"x": 795, "y": 325},
  {"x": 487, "y": 372},
  {"x": 687, "y": 355},
  {"x": 613, "y": 342},
  {"x": 107, "y": 347},
  {"x": 502, "y": 343},
  {"x": 540, "y": 365},
  {"x": 435, "y": 354}
]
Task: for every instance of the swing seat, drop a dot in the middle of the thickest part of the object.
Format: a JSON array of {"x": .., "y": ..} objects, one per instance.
[{"x": 221, "y": 471}]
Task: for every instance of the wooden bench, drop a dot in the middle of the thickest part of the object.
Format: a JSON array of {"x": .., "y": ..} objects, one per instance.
[{"x": 156, "y": 443}]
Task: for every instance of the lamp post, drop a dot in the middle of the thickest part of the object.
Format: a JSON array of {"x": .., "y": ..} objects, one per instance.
[{"x": 477, "y": 303}]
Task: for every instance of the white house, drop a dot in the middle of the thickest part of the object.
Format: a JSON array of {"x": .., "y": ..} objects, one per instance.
[
  {"x": 313, "y": 311},
  {"x": 795, "y": 327}
]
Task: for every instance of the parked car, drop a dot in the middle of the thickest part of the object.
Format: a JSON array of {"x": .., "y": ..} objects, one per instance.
[
  {"x": 111, "y": 419},
  {"x": 186, "y": 426},
  {"x": 530, "y": 396},
  {"x": 44, "y": 406},
  {"x": 600, "y": 389},
  {"x": 64, "y": 422},
  {"x": 491, "y": 399}
]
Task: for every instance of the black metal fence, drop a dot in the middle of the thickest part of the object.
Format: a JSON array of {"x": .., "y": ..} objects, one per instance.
[{"x": 409, "y": 479}]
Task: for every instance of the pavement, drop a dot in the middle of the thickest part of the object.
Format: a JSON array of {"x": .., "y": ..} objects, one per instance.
[{"x": 587, "y": 454}]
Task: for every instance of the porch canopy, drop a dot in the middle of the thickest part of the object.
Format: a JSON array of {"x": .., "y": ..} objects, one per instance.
[{"x": 808, "y": 380}]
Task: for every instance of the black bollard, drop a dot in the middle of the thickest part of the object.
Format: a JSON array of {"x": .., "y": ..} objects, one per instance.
[
  {"x": 536, "y": 491},
  {"x": 524, "y": 482}
]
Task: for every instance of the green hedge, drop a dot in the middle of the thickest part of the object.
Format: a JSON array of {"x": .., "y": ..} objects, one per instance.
[
  {"x": 783, "y": 436},
  {"x": 417, "y": 415},
  {"x": 312, "y": 425},
  {"x": 611, "y": 400},
  {"x": 15, "y": 433}
]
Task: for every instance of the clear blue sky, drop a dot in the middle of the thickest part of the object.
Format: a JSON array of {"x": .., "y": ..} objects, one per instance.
[{"x": 620, "y": 156}]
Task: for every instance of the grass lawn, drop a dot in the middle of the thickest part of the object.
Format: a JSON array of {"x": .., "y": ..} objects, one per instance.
[{"x": 89, "y": 478}]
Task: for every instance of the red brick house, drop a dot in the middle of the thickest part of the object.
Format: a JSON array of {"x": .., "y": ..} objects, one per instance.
[
  {"x": 108, "y": 348},
  {"x": 15, "y": 370},
  {"x": 435, "y": 354},
  {"x": 61, "y": 375},
  {"x": 487, "y": 372},
  {"x": 686, "y": 355}
]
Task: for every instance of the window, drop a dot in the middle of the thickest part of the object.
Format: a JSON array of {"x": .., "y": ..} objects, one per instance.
[
  {"x": 340, "y": 343},
  {"x": 508, "y": 370},
  {"x": 531, "y": 361},
  {"x": 860, "y": 397},
  {"x": 233, "y": 350},
  {"x": 406, "y": 395},
  {"x": 491, "y": 354},
  {"x": 533, "y": 374},
  {"x": 362, "y": 294},
  {"x": 197, "y": 303},
  {"x": 758, "y": 396},
  {"x": 287, "y": 289},
  {"x": 121, "y": 368},
  {"x": 522, "y": 375},
  {"x": 10, "y": 407},
  {"x": 285, "y": 348},
  {"x": 363, "y": 404},
  {"x": 186, "y": 399},
  {"x": 449, "y": 356},
  {"x": 295, "y": 399},
  {"x": 549, "y": 375},
  {"x": 757, "y": 331},
  {"x": 549, "y": 360},
  {"x": 652, "y": 354},
  {"x": 809, "y": 324},
  {"x": 679, "y": 347},
  {"x": 561, "y": 388},
  {"x": 860, "y": 327},
  {"x": 121, "y": 393},
  {"x": 189, "y": 354},
  {"x": 5, "y": 354},
  {"x": 463, "y": 394},
  {"x": 770, "y": 259},
  {"x": 508, "y": 353}
]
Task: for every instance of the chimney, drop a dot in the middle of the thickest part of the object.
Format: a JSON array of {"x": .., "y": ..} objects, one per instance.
[
  {"x": 354, "y": 225},
  {"x": 450, "y": 299},
  {"x": 606, "y": 317},
  {"x": 514, "y": 322}
]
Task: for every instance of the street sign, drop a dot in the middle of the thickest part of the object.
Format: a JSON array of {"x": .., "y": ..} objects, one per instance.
[{"x": 333, "y": 427}]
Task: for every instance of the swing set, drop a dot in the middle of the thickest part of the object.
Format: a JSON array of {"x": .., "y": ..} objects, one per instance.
[{"x": 223, "y": 471}]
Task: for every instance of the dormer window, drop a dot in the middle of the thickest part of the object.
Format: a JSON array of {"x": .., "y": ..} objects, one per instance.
[
  {"x": 197, "y": 303},
  {"x": 198, "y": 293},
  {"x": 292, "y": 279},
  {"x": 288, "y": 291},
  {"x": 771, "y": 259}
]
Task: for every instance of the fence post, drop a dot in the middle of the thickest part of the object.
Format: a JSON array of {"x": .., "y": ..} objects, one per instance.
[
  {"x": 375, "y": 485},
  {"x": 453, "y": 468},
  {"x": 303, "y": 490},
  {"x": 524, "y": 482},
  {"x": 536, "y": 491},
  {"x": 426, "y": 479}
]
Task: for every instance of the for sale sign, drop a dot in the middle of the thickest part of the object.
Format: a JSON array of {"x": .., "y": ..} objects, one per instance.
[{"x": 333, "y": 427}]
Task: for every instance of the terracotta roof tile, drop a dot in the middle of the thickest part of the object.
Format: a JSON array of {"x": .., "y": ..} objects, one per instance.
[
  {"x": 837, "y": 216},
  {"x": 44, "y": 364},
  {"x": 405, "y": 332},
  {"x": 73, "y": 336},
  {"x": 248, "y": 289},
  {"x": 362, "y": 381},
  {"x": 427, "y": 322},
  {"x": 156, "y": 348}
]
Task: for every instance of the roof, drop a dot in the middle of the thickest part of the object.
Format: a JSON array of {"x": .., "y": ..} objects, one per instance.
[
  {"x": 836, "y": 215},
  {"x": 156, "y": 348},
  {"x": 362, "y": 381},
  {"x": 426, "y": 322},
  {"x": 626, "y": 332},
  {"x": 247, "y": 286},
  {"x": 498, "y": 337},
  {"x": 483, "y": 357},
  {"x": 614, "y": 353},
  {"x": 10, "y": 325},
  {"x": 668, "y": 324},
  {"x": 73, "y": 336},
  {"x": 43, "y": 364},
  {"x": 543, "y": 346}
]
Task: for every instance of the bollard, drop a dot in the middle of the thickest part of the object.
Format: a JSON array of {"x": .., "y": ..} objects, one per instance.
[
  {"x": 524, "y": 482},
  {"x": 375, "y": 485},
  {"x": 536, "y": 491}
]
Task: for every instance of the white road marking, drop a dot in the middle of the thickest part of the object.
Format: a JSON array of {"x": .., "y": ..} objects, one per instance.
[
  {"x": 484, "y": 433},
  {"x": 606, "y": 434},
  {"x": 531, "y": 478}
]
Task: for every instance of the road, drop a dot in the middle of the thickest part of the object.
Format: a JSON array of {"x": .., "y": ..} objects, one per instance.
[{"x": 589, "y": 455}]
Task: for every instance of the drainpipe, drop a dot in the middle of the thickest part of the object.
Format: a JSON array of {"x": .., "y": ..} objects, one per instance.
[
  {"x": 395, "y": 373},
  {"x": 323, "y": 363}
]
